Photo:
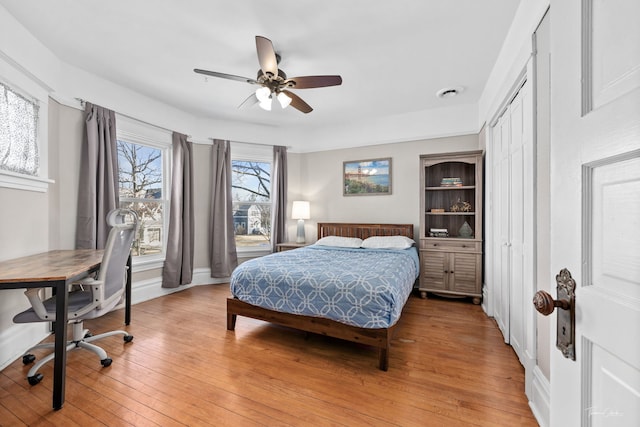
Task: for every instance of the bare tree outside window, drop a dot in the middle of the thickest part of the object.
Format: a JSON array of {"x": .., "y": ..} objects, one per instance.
[
  {"x": 141, "y": 180},
  {"x": 251, "y": 188}
]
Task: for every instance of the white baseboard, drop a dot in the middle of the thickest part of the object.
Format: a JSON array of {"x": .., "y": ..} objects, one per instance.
[
  {"x": 16, "y": 339},
  {"x": 540, "y": 399},
  {"x": 145, "y": 290},
  {"x": 486, "y": 307}
]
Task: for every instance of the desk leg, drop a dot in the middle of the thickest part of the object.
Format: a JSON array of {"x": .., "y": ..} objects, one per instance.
[
  {"x": 60, "y": 330},
  {"x": 127, "y": 294}
]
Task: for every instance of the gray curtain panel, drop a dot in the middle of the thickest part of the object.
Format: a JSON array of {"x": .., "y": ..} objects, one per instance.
[
  {"x": 178, "y": 264},
  {"x": 98, "y": 190},
  {"x": 279, "y": 197},
  {"x": 222, "y": 249}
]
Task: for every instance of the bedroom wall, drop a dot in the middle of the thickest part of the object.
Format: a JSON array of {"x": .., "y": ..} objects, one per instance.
[
  {"x": 30, "y": 224},
  {"x": 65, "y": 139},
  {"x": 321, "y": 182}
]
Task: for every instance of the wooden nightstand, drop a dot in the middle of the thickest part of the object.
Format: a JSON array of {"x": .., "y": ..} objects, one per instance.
[{"x": 287, "y": 246}]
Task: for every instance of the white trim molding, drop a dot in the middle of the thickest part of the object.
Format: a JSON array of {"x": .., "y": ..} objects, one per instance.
[
  {"x": 19, "y": 181},
  {"x": 540, "y": 398},
  {"x": 149, "y": 289}
]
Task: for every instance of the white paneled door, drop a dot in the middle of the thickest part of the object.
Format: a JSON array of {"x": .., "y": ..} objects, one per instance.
[
  {"x": 513, "y": 193},
  {"x": 595, "y": 208}
]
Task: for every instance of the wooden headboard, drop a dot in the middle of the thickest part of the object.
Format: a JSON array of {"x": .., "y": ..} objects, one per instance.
[{"x": 363, "y": 231}]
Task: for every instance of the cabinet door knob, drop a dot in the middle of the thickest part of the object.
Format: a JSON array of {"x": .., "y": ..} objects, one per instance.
[{"x": 446, "y": 271}]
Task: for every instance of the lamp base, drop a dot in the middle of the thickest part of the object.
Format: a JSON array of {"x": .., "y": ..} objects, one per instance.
[{"x": 300, "y": 235}]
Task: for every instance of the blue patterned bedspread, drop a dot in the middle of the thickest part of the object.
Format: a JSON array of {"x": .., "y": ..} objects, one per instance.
[{"x": 360, "y": 287}]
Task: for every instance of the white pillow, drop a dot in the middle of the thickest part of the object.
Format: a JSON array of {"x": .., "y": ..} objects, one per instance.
[
  {"x": 343, "y": 242},
  {"x": 388, "y": 242}
]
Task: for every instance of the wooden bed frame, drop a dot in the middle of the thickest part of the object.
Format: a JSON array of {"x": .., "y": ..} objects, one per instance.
[{"x": 379, "y": 338}]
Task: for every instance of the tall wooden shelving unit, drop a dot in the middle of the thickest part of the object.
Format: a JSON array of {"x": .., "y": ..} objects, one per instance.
[{"x": 451, "y": 262}]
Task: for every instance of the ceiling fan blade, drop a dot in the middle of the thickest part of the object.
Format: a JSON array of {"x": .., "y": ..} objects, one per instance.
[
  {"x": 266, "y": 56},
  {"x": 308, "y": 82},
  {"x": 226, "y": 76},
  {"x": 250, "y": 101},
  {"x": 298, "y": 103}
]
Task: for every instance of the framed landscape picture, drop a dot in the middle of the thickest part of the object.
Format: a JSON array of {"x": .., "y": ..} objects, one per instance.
[{"x": 366, "y": 177}]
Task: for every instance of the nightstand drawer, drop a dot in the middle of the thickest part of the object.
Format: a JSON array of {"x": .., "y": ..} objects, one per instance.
[{"x": 281, "y": 247}]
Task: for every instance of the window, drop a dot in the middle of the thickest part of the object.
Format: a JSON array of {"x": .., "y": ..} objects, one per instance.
[
  {"x": 144, "y": 165},
  {"x": 18, "y": 132},
  {"x": 251, "y": 192},
  {"x": 23, "y": 131},
  {"x": 141, "y": 179}
]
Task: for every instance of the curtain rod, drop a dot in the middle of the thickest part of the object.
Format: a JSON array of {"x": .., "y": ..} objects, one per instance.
[
  {"x": 250, "y": 143},
  {"x": 83, "y": 102}
]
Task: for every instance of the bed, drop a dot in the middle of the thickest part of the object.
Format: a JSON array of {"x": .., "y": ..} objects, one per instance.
[{"x": 349, "y": 293}]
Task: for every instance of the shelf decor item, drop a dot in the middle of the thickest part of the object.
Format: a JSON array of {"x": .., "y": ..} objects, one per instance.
[
  {"x": 465, "y": 231},
  {"x": 438, "y": 232},
  {"x": 461, "y": 206},
  {"x": 451, "y": 182}
]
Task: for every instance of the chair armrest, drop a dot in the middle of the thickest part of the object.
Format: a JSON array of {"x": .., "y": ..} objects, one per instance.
[
  {"x": 96, "y": 286},
  {"x": 33, "y": 294}
]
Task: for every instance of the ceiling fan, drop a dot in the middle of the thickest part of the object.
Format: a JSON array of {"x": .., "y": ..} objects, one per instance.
[{"x": 274, "y": 82}]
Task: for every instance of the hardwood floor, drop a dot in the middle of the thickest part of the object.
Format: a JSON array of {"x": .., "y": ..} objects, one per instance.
[{"x": 449, "y": 366}]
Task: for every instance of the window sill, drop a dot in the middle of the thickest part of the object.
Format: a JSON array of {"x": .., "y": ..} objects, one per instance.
[
  {"x": 24, "y": 182},
  {"x": 255, "y": 253},
  {"x": 146, "y": 264}
]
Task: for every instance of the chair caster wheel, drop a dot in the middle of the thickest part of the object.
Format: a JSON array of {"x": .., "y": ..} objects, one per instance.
[
  {"x": 106, "y": 362},
  {"x": 28, "y": 358},
  {"x": 35, "y": 379},
  {"x": 128, "y": 338}
]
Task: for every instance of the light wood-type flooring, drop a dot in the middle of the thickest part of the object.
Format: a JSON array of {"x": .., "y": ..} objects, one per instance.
[{"x": 449, "y": 366}]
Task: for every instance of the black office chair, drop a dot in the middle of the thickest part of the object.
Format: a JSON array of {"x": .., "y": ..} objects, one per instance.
[{"x": 90, "y": 298}]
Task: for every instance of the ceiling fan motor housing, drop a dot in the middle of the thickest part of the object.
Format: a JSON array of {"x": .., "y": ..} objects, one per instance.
[{"x": 275, "y": 83}]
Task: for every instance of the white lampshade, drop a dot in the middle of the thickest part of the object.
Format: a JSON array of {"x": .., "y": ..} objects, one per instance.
[
  {"x": 284, "y": 99},
  {"x": 264, "y": 96},
  {"x": 263, "y": 93},
  {"x": 266, "y": 104},
  {"x": 301, "y": 210}
]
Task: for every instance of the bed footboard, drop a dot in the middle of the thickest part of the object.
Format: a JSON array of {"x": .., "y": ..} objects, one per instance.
[{"x": 379, "y": 338}]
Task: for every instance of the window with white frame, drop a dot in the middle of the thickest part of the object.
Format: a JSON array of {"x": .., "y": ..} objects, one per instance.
[
  {"x": 23, "y": 130},
  {"x": 18, "y": 132},
  {"x": 251, "y": 194},
  {"x": 143, "y": 175}
]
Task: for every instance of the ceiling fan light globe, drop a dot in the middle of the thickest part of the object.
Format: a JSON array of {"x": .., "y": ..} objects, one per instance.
[
  {"x": 263, "y": 94},
  {"x": 284, "y": 100},
  {"x": 266, "y": 104}
]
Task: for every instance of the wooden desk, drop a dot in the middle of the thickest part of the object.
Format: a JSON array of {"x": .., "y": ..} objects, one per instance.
[{"x": 56, "y": 270}]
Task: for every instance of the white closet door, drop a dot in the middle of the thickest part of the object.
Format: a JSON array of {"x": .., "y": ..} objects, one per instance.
[
  {"x": 510, "y": 195},
  {"x": 516, "y": 221},
  {"x": 501, "y": 225}
]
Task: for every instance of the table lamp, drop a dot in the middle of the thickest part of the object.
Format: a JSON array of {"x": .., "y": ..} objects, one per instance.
[{"x": 300, "y": 211}]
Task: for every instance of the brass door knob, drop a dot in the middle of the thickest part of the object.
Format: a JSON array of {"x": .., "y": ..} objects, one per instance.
[{"x": 545, "y": 304}]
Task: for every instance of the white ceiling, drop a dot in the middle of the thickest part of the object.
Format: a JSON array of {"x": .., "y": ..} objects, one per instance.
[{"x": 393, "y": 56}]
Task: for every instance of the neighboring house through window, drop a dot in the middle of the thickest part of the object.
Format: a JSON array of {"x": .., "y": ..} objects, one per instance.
[{"x": 251, "y": 193}]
